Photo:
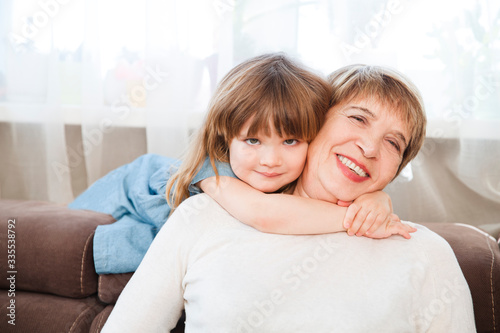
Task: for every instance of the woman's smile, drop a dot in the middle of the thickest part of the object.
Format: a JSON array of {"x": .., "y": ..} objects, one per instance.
[{"x": 352, "y": 168}]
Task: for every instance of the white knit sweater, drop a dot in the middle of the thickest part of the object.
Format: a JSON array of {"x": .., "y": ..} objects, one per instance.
[{"x": 231, "y": 278}]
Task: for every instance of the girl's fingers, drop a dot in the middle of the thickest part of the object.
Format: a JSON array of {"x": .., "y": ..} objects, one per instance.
[
  {"x": 405, "y": 229},
  {"x": 406, "y": 235},
  {"x": 358, "y": 221},
  {"x": 344, "y": 203},
  {"x": 371, "y": 220},
  {"x": 394, "y": 218},
  {"x": 380, "y": 220},
  {"x": 350, "y": 215}
]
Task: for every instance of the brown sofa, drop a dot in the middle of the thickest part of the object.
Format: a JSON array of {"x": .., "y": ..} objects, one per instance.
[{"x": 52, "y": 286}]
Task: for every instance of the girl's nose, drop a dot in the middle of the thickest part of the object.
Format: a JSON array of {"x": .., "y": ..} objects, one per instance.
[{"x": 270, "y": 157}]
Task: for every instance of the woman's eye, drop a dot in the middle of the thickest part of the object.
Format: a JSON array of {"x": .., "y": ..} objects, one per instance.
[
  {"x": 252, "y": 141},
  {"x": 290, "y": 142},
  {"x": 395, "y": 145},
  {"x": 358, "y": 119}
]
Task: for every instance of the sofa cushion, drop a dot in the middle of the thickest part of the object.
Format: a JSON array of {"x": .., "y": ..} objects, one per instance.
[
  {"x": 100, "y": 319},
  {"x": 478, "y": 255},
  {"x": 53, "y": 247},
  {"x": 42, "y": 313},
  {"x": 111, "y": 285}
]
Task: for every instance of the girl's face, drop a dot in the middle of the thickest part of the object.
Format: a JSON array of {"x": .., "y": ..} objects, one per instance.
[{"x": 266, "y": 163}]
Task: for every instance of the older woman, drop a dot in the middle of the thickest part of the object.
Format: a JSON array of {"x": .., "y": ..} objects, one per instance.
[{"x": 231, "y": 278}]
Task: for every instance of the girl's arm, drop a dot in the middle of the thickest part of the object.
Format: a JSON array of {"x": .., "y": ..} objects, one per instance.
[
  {"x": 290, "y": 214},
  {"x": 274, "y": 213}
]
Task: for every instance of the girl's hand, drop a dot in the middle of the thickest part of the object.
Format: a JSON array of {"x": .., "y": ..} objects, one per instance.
[
  {"x": 367, "y": 213},
  {"x": 393, "y": 226}
]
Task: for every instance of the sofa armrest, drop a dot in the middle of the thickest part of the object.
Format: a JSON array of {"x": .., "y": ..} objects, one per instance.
[
  {"x": 53, "y": 247},
  {"x": 478, "y": 255},
  {"x": 111, "y": 286}
]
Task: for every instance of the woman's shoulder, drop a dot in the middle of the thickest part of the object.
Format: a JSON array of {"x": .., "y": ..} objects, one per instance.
[
  {"x": 202, "y": 203},
  {"x": 430, "y": 247},
  {"x": 202, "y": 211}
]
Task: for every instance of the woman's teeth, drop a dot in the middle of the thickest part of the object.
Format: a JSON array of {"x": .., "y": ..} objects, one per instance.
[{"x": 354, "y": 168}]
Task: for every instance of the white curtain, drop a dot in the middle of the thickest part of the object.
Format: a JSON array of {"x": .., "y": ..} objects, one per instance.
[{"x": 88, "y": 85}]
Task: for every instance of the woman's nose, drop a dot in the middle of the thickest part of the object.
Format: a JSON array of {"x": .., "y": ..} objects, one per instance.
[{"x": 369, "y": 146}]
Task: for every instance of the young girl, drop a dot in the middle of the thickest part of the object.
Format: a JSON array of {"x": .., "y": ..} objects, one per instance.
[{"x": 261, "y": 118}]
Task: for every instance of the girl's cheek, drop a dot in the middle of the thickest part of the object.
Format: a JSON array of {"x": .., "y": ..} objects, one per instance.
[{"x": 305, "y": 151}]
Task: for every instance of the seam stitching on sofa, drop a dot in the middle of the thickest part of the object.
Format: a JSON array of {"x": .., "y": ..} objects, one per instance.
[
  {"x": 491, "y": 285},
  {"x": 476, "y": 229},
  {"x": 83, "y": 261},
  {"x": 80, "y": 316},
  {"x": 99, "y": 323},
  {"x": 99, "y": 284}
]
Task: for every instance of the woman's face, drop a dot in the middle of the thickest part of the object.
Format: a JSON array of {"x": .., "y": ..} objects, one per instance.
[{"x": 358, "y": 150}]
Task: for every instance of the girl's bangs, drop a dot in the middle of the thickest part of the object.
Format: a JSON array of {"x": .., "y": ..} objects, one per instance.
[{"x": 287, "y": 120}]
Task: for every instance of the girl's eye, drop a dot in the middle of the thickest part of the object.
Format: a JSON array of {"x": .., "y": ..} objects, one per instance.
[
  {"x": 290, "y": 142},
  {"x": 252, "y": 141}
]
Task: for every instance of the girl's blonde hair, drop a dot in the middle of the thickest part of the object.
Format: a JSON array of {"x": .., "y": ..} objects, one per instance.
[
  {"x": 389, "y": 87},
  {"x": 267, "y": 88}
]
